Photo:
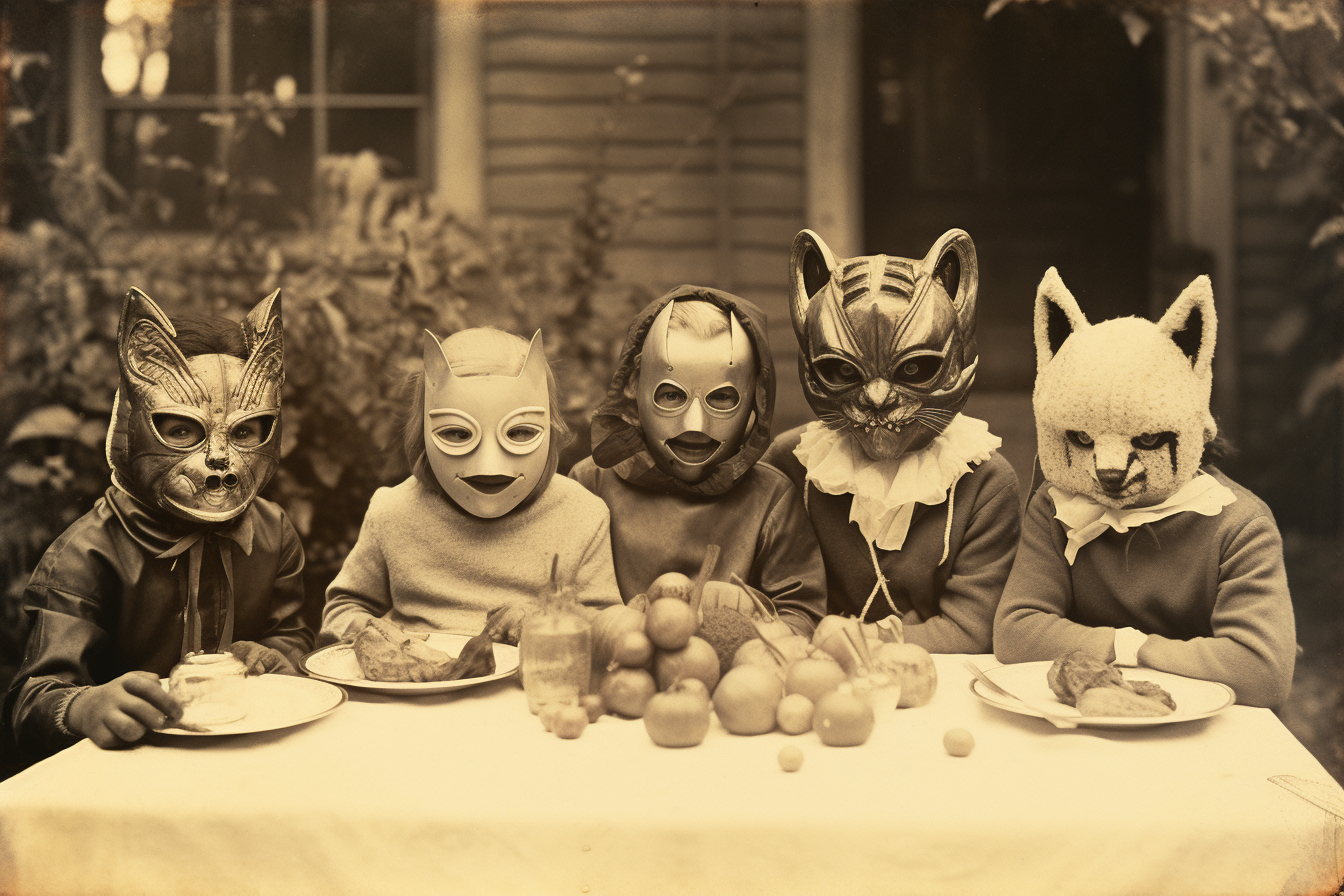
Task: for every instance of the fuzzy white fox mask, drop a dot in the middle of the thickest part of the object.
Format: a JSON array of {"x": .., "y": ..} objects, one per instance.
[{"x": 1122, "y": 407}]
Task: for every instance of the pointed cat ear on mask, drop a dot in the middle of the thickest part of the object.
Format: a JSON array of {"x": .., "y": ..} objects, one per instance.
[
  {"x": 263, "y": 334},
  {"x": 437, "y": 370},
  {"x": 1057, "y": 317},
  {"x": 810, "y": 264},
  {"x": 534, "y": 365},
  {"x": 1192, "y": 324},
  {"x": 146, "y": 351},
  {"x": 952, "y": 262}
]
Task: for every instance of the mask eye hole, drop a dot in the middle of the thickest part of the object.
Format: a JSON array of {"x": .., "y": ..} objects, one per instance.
[
  {"x": 1150, "y": 441},
  {"x": 522, "y": 433},
  {"x": 724, "y": 398},
  {"x": 252, "y": 432},
  {"x": 918, "y": 370},
  {"x": 1079, "y": 438},
  {"x": 178, "y": 431},
  {"x": 838, "y": 373},
  {"x": 669, "y": 396},
  {"x": 454, "y": 436}
]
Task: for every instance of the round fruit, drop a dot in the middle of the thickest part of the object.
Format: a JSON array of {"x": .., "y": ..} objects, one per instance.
[
  {"x": 593, "y": 705},
  {"x": 913, "y": 666},
  {"x": 958, "y": 742},
  {"x": 548, "y": 713},
  {"x": 790, "y": 759},
  {"x": 670, "y": 624},
  {"x": 627, "y": 691},
  {"x": 746, "y": 699},
  {"x": 569, "y": 721},
  {"x": 812, "y": 678},
  {"x": 692, "y": 686},
  {"x": 632, "y": 649},
  {"x": 608, "y": 626},
  {"x": 794, "y": 714},
  {"x": 677, "y": 718},
  {"x": 842, "y": 719},
  {"x": 670, "y": 584},
  {"x": 696, "y": 660},
  {"x": 756, "y": 653}
]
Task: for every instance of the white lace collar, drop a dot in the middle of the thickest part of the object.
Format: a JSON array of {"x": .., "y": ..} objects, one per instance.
[
  {"x": 1084, "y": 519},
  {"x": 886, "y": 491}
]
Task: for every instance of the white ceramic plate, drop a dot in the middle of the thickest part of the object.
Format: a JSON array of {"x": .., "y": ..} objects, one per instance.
[
  {"x": 1195, "y": 699},
  {"x": 338, "y": 664},
  {"x": 273, "y": 702}
]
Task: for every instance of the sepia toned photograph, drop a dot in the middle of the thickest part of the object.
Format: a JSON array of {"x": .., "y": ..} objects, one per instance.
[{"x": 672, "y": 447}]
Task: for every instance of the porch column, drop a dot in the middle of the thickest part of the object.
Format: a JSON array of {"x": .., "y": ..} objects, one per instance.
[
  {"x": 459, "y": 107},
  {"x": 1199, "y": 134},
  {"x": 833, "y": 125}
]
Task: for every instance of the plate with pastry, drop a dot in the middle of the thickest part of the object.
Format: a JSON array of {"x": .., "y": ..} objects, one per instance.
[
  {"x": 1096, "y": 694},
  {"x": 387, "y": 660},
  {"x": 219, "y": 698}
]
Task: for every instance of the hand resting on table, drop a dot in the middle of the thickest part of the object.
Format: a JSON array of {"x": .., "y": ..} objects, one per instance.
[{"x": 122, "y": 711}]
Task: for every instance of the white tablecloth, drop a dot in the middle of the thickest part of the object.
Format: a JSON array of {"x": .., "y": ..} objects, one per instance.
[{"x": 467, "y": 793}]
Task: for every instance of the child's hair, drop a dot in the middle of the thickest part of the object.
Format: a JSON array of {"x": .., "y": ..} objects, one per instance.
[
  {"x": 489, "y": 352},
  {"x": 701, "y": 319},
  {"x": 203, "y": 334}
]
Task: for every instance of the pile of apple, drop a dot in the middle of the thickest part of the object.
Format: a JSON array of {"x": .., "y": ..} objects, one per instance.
[{"x": 690, "y": 647}]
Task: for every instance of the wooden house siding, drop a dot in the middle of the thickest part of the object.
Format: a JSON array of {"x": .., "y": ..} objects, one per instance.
[
  {"x": 1274, "y": 266},
  {"x": 711, "y": 139}
]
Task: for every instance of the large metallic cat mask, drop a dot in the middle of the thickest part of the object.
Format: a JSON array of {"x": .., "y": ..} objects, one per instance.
[
  {"x": 887, "y": 344},
  {"x": 196, "y": 437}
]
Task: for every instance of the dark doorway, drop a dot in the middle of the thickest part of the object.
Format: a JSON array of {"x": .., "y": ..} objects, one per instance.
[{"x": 1036, "y": 132}]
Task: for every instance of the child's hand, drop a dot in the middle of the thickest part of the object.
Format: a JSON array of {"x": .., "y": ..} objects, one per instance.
[
  {"x": 121, "y": 712},
  {"x": 504, "y": 624},
  {"x": 260, "y": 659}
]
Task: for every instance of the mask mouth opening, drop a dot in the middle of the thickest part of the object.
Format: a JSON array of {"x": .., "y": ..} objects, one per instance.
[
  {"x": 489, "y": 485},
  {"x": 214, "y": 482},
  {"x": 692, "y": 447}
]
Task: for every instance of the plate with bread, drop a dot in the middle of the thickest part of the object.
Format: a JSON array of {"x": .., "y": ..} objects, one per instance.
[
  {"x": 387, "y": 660},
  {"x": 1095, "y": 694}
]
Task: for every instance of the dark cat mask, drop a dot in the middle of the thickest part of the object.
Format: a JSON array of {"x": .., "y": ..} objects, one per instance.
[
  {"x": 887, "y": 344},
  {"x": 196, "y": 437}
]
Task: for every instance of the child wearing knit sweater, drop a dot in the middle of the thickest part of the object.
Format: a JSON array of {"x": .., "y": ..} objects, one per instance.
[
  {"x": 1131, "y": 550},
  {"x": 474, "y": 528},
  {"x": 676, "y": 450}
]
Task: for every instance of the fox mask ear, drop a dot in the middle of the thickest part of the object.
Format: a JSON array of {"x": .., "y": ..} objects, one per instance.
[
  {"x": 1192, "y": 324},
  {"x": 1057, "y": 317}
]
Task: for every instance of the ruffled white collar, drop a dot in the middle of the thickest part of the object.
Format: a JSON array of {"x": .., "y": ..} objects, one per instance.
[
  {"x": 1084, "y": 519},
  {"x": 886, "y": 491}
]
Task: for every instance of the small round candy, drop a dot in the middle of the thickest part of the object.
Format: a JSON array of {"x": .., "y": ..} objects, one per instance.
[
  {"x": 958, "y": 742},
  {"x": 790, "y": 759}
]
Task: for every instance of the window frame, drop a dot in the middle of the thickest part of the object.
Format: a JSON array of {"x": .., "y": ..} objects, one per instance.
[{"x": 91, "y": 103}]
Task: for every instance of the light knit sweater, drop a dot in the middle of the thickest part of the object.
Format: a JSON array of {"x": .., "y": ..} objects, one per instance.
[
  {"x": 427, "y": 565},
  {"x": 1211, "y": 593}
]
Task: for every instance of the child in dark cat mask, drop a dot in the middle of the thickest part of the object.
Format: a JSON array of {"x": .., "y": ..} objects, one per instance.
[
  {"x": 916, "y": 512},
  {"x": 180, "y": 555},
  {"x": 1132, "y": 550},
  {"x": 675, "y": 451}
]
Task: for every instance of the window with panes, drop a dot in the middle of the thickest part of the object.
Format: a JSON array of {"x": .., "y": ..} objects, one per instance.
[{"x": 328, "y": 76}]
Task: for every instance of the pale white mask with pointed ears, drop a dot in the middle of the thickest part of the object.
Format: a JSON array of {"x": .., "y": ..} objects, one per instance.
[
  {"x": 487, "y": 437},
  {"x": 1122, "y": 407}
]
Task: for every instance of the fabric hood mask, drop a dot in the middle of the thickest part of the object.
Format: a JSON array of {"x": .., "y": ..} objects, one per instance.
[
  {"x": 887, "y": 344},
  {"x": 632, "y": 427},
  {"x": 195, "y": 437}
]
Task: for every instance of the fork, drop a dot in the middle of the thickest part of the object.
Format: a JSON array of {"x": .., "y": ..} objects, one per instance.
[{"x": 1053, "y": 718}]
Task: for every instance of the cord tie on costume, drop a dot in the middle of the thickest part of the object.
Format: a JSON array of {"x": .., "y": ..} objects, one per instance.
[{"x": 880, "y": 585}]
